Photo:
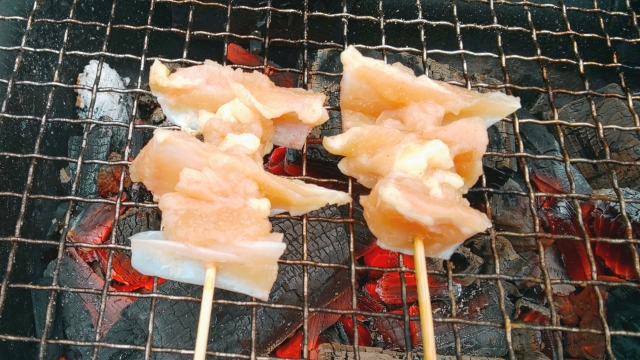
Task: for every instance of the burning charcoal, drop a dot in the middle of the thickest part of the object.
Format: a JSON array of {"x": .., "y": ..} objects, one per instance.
[
  {"x": 318, "y": 323},
  {"x": 533, "y": 355},
  {"x": 623, "y": 314},
  {"x": 57, "y": 221},
  {"x": 530, "y": 341},
  {"x": 102, "y": 141},
  {"x": 78, "y": 312},
  {"x": 539, "y": 141},
  {"x": 608, "y": 223},
  {"x": 582, "y": 310},
  {"x": 501, "y": 140},
  {"x": 389, "y": 288},
  {"x": 92, "y": 226},
  {"x": 364, "y": 336},
  {"x": 557, "y": 216},
  {"x": 511, "y": 212},
  {"x": 391, "y": 331},
  {"x": 108, "y": 180},
  {"x": 231, "y": 325},
  {"x": 123, "y": 275},
  {"x": 477, "y": 302},
  {"x": 583, "y": 142},
  {"x": 465, "y": 262}
]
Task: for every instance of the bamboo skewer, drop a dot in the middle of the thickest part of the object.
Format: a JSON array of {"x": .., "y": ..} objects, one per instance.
[
  {"x": 205, "y": 314},
  {"x": 424, "y": 300}
]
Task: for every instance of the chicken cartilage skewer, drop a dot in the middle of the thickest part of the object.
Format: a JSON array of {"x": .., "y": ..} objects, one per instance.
[
  {"x": 418, "y": 144},
  {"x": 215, "y": 195}
]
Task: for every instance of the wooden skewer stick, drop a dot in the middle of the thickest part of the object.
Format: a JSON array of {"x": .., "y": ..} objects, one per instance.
[
  {"x": 205, "y": 313},
  {"x": 424, "y": 300}
]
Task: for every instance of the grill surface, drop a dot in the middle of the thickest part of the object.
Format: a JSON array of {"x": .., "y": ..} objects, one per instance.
[{"x": 44, "y": 46}]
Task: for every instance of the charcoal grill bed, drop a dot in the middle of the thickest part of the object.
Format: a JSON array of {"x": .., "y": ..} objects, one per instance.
[{"x": 549, "y": 53}]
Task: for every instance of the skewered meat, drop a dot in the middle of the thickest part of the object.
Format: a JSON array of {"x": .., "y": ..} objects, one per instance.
[
  {"x": 400, "y": 208},
  {"x": 369, "y": 87},
  {"x": 193, "y": 95},
  {"x": 161, "y": 162},
  {"x": 418, "y": 144}
]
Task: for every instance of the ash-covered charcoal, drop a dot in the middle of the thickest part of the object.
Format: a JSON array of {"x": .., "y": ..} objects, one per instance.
[
  {"x": 113, "y": 105},
  {"x": 583, "y": 141},
  {"x": 175, "y": 321},
  {"x": 478, "y": 302},
  {"x": 623, "y": 314},
  {"x": 512, "y": 262},
  {"x": 557, "y": 270},
  {"x": 538, "y": 140},
  {"x": 511, "y": 211}
]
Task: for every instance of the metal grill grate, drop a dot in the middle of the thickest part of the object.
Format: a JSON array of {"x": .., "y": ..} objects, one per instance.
[{"x": 46, "y": 47}]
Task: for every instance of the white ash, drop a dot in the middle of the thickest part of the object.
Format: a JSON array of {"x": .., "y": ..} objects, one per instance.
[{"x": 111, "y": 104}]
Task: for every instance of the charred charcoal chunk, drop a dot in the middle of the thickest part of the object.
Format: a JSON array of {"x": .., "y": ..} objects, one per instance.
[
  {"x": 512, "y": 212},
  {"x": 623, "y": 314},
  {"x": 465, "y": 262},
  {"x": 139, "y": 193},
  {"x": 538, "y": 140},
  {"x": 583, "y": 141},
  {"x": 480, "y": 304}
]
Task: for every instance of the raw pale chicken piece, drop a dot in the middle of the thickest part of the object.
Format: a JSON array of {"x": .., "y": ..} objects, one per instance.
[
  {"x": 401, "y": 208},
  {"x": 248, "y": 267},
  {"x": 220, "y": 218},
  {"x": 416, "y": 117},
  {"x": 185, "y": 94},
  {"x": 285, "y": 195},
  {"x": 160, "y": 163},
  {"x": 370, "y": 86},
  {"x": 211, "y": 207},
  {"x": 373, "y": 152}
]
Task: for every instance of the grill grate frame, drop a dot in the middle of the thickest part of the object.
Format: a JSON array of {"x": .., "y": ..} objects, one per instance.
[{"x": 26, "y": 196}]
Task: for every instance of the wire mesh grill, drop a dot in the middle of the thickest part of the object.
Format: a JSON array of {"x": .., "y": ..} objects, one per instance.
[{"x": 49, "y": 48}]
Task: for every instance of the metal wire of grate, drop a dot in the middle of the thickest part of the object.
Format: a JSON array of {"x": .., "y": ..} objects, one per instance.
[{"x": 140, "y": 39}]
